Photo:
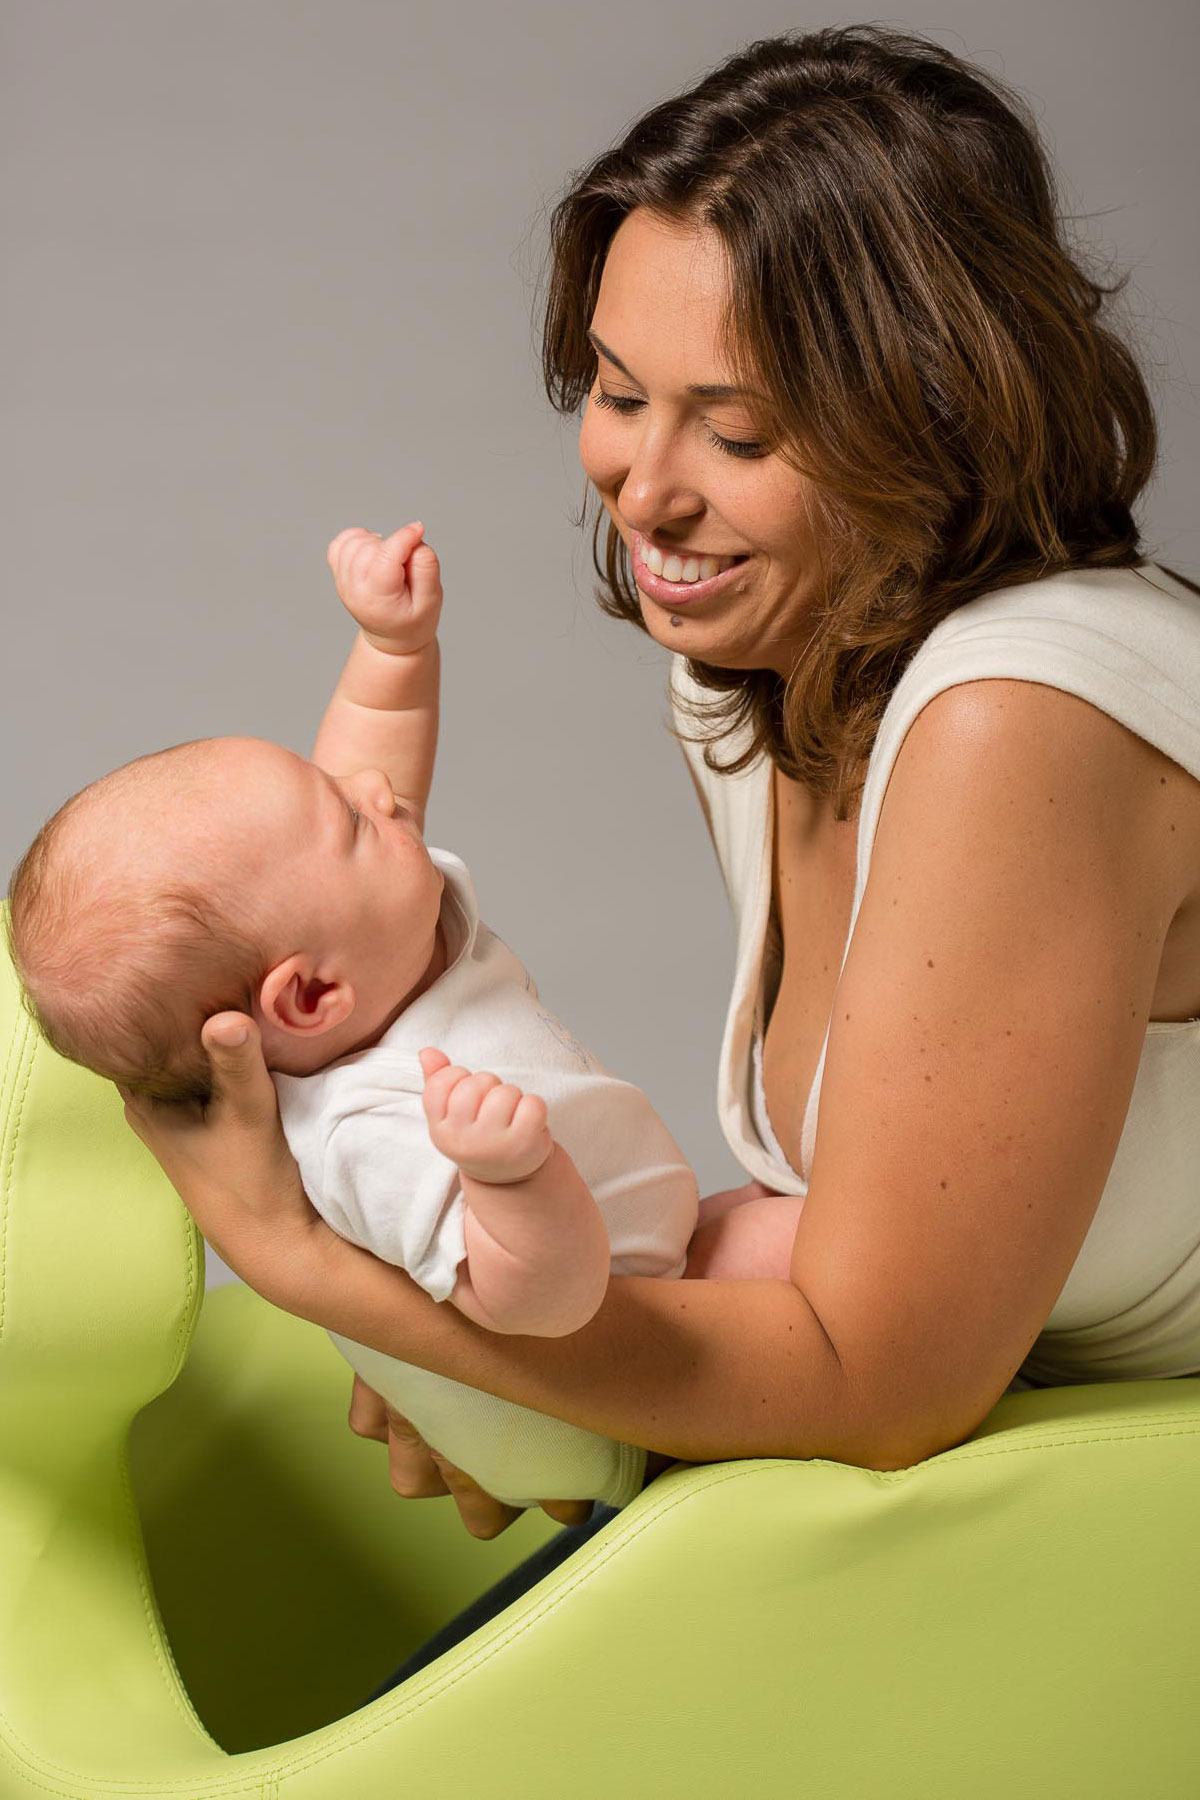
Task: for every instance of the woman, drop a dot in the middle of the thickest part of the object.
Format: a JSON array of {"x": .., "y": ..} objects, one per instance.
[{"x": 821, "y": 320}]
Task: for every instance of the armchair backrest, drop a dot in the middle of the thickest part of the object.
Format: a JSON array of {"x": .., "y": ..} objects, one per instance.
[
  {"x": 101, "y": 1280},
  {"x": 101, "y": 1275}
]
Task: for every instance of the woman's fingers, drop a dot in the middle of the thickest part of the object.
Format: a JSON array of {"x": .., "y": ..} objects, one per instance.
[
  {"x": 368, "y": 1414},
  {"x": 482, "y": 1514},
  {"x": 568, "y": 1512},
  {"x": 412, "y": 1470},
  {"x": 419, "y": 1473}
]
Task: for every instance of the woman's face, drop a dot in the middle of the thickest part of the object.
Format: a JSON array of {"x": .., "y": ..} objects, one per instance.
[{"x": 650, "y": 447}]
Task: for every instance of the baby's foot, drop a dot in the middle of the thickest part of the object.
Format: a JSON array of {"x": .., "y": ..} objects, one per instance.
[{"x": 491, "y": 1129}]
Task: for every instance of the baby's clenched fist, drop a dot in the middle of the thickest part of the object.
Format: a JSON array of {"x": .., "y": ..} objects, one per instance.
[
  {"x": 490, "y": 1128},
  {"x": 391, "y": 587}
]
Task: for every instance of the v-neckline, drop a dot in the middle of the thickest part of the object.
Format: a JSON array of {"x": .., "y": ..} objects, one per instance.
[{"x": 812, "y": 1099}]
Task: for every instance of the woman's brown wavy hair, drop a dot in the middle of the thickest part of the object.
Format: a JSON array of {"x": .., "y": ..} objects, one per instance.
[{"x": 901, "y": 286}]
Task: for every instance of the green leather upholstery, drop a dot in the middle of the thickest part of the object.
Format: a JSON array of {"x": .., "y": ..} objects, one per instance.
[{"x": 202, "y": 1570}]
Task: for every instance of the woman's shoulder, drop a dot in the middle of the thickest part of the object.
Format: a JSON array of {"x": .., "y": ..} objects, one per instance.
[
  {"x": 1127, "y": 641},
  {"x": 1146, "y": 612}
]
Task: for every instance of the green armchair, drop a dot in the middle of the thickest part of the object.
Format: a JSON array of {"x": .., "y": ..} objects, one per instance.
[{"x": 202, "y": 1570}]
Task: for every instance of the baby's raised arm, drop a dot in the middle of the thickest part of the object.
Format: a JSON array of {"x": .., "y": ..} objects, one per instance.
[{"x": 384, "y": 710}]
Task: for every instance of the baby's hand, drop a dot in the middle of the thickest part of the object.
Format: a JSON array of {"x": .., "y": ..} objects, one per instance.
[
  {"x": 493, "y": 1131},
  {"x": 391, "y": 586}
]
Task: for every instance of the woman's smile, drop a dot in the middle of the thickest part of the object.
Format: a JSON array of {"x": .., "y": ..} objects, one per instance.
[{"x": 656, "y": 584}]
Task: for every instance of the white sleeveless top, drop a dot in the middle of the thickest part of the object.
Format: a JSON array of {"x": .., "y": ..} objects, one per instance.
[{"x": 1127, "y": 641}]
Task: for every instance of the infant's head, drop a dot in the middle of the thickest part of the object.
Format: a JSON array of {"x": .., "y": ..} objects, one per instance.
[{"x": 223, "y": 874}]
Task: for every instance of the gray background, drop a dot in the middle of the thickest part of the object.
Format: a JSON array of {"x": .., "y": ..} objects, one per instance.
[{"x": 270, "y": 271}]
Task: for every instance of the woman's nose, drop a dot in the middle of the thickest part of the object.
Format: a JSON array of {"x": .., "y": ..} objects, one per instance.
[{"x": 656, "y": 490}]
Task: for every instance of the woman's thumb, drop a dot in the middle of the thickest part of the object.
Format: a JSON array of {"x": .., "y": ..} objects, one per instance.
[
  {"x": 234, "y": 1050},
  {"x": 229, "y": 1032}
]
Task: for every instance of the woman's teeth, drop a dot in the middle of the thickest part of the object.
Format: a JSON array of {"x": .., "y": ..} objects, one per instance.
[{"x": 695, "y": 568}]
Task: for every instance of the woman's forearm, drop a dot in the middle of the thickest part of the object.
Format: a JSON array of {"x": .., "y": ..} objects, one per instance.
[{"x": 702, "y": 1371}]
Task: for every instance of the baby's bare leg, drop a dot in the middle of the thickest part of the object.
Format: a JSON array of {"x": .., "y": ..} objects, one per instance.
[{"x": 749, "y": 1241}]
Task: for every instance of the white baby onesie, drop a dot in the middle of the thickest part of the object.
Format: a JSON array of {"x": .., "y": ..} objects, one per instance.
[{"x": 357, "y": 1129}]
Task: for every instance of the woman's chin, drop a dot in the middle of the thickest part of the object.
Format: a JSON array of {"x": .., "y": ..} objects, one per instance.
[{"x": 692, "y": 636}]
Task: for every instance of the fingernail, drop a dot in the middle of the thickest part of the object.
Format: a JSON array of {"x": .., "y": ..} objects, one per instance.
[{"x": 232, "y": 1039}]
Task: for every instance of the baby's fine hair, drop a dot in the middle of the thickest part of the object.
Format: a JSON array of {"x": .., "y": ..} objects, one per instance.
[{"x": 119, "y": 969}]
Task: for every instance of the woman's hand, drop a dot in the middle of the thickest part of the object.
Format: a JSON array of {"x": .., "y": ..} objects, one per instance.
[
  {"x": 418, "y": 1472},
  {"x": 230, "y": 1163}
]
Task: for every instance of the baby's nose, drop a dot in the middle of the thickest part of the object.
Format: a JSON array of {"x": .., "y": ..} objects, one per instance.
[{"x": 378, "y": 785}]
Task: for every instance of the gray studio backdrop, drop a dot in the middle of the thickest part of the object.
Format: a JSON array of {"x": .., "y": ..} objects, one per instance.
[{"x": 270, "y": 271}]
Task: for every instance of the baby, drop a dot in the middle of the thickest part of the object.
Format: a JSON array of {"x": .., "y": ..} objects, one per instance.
[{"x": 231, "y": 874}]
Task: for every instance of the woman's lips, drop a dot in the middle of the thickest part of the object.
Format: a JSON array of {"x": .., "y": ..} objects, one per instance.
[{"x": 677, "y": 593}]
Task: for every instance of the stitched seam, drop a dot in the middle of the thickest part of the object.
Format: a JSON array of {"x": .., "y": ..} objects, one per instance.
[
  {"x": 1169, "y": 1416},
  {"x": 37, "y": 1772},
  {"x": 737, "y": 1472},
  {"x": 1129, "y": 1435},
  {"x": 5, "y": 1090},
  {"x": 348, "y": 1735},
  {"x": 194, "y": 1296},
  {"x": 162, "y": 1652},
  {"x": 13, "y": 1129}
]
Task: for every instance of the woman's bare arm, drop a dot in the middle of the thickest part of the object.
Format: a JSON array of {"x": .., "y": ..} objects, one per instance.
[
  {"x": 986, "y": 1038},
  {"x": 699, "y": 1370}
]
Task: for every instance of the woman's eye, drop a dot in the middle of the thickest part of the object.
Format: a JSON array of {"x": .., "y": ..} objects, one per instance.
[{"x": 626, "y": 403}]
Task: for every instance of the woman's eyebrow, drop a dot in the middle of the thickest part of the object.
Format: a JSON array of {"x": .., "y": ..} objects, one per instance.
[{"x": 700, "y": 390}]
